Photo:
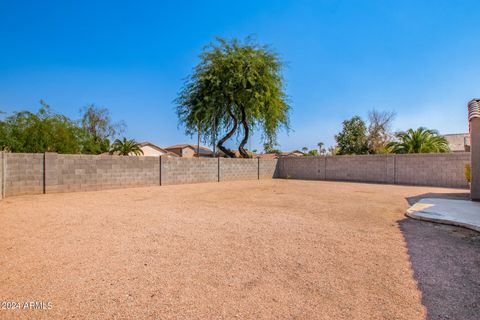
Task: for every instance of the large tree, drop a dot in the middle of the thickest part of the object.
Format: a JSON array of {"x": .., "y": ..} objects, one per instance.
[
  {"x": 98, "y": 129},
  {"x": 44, "y": 131},
  {"x": 421, "y": 140},
  {"x": 234, "y": 84},
  {"x": 353, "y": 137},
  {"x": 379, "y": 134},
  {"x": 321, "y": 150}
]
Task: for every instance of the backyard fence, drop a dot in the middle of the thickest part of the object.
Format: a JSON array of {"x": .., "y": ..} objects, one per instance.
[
  {"x": 438, "y": 170},
  {"x": 36, "y": 173}
]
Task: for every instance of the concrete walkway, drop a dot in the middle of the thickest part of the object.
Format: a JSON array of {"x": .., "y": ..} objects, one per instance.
[{"x": 463, "y": 213}]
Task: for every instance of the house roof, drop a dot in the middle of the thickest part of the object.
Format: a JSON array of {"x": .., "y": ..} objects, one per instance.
[
  {"x": 292, "y": 152},
  {"x": 154, "y": 146},
  {"x": 267, "y": 156},
  {"x": 185, "y": 145}
]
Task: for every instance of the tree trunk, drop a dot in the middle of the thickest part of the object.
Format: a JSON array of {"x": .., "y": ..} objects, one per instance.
[
  {"x": 198, "y": 142},
  {"x": 230, "y": 133},
  {"x": 246, "y": 132}
]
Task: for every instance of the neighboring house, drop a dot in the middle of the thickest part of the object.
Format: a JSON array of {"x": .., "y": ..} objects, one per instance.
[
  {"x": 458, "y": 142},
  {"x": 294, "y": 153},
  {"x": 267, "y": 156},
  {"x": 189, "y": 151},
  {"x": 151, "y": 150}
]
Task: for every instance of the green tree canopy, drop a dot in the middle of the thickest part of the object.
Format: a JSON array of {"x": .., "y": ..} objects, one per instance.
[
  {"x": 421, "y": 140},
  {"x": 353, "y": 137},
  {"x": 44, "y": 131},
  {"x": 47, "y": 131},
  {"x": 234, "y": 83},
  {"x": 269, "y": 148}
]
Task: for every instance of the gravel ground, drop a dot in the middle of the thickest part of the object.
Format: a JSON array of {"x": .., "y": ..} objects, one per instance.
[{"x": 249, "y": 250}]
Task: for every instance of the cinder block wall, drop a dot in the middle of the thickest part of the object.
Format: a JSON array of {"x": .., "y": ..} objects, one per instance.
[
  {"x": 68, "y": 173},
  {"x": 268, "y": 168},
  {"x": 52, "y": 172},
  {"x": 371, "y": 168},
  {"x": 23, "y": 173},
  {"x": 29, "y": 173},
  {"x": 439, "y": 170},
  {"x": 189, "y": 170},
  {"x": 306, "y": 168},
  {"x": 238, "y": 169}
]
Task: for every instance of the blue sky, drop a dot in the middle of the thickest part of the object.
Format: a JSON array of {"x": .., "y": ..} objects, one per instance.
[{"x": 418, "y": 58}]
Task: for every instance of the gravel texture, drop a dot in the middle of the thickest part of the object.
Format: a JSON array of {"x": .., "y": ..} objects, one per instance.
[{"x": 250, "y": 250}]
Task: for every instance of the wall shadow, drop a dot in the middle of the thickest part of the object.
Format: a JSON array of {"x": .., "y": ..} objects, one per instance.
[
  {"x": 446, "y": 265},
  {"x": 454, "y": 195}
]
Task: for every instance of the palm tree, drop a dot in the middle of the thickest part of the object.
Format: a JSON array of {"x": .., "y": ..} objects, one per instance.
[
  {"x": 126, "y": 147},
  {"x": 305, "y": 149},
  {"x": 320, "y": 147},
  {"x": 421, "y": 140}
]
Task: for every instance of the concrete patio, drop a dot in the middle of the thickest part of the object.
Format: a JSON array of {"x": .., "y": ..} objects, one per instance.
[{"x": 463, "y": 213}]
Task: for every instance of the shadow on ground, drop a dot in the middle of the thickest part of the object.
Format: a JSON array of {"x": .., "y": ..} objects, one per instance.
[
  {"x": 446, "y": 265},
  {"x": 459, "y": 196}
]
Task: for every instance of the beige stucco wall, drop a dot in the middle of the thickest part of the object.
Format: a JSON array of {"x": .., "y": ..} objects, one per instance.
[
  {"x": 188, "y": 153},
  {"x": 475, "y": 158},
  {"x": 148, "y": 151}
]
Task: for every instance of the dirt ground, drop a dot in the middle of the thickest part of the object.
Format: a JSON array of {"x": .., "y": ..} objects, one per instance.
[{"x": 271, "y": 249}]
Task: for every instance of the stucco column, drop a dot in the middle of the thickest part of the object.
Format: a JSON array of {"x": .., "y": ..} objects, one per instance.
[{"x": 474, "y": 125}]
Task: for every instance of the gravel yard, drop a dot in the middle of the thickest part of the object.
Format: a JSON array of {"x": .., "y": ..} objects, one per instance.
[{"x": 249, "y": 250}]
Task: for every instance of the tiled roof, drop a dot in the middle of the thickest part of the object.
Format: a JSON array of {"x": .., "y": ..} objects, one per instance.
[{"x": 185, "y": 145}]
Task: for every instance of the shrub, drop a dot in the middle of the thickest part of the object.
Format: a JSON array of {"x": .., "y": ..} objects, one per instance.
[{"x": 468, "y": 173}]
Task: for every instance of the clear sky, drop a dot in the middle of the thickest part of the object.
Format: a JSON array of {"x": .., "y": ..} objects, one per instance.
[{"x": 420, "y": 59}]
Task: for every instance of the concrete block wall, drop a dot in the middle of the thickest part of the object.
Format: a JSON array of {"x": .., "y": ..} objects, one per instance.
[
  {"x": 238, "y": 169},
  {"x": 438, "y": 170},
  {"x": 189, "y": 170},
  {"x": 52, "y": 172},
  {"x": 89, "y": 172},
  {"x": 28, "y": 173},
  {"x": 267, "y": 168},
  {"x": 23, "y": 173},
  {"x": 362, "y": 168},
  {"x": 305, "y": 168}
]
